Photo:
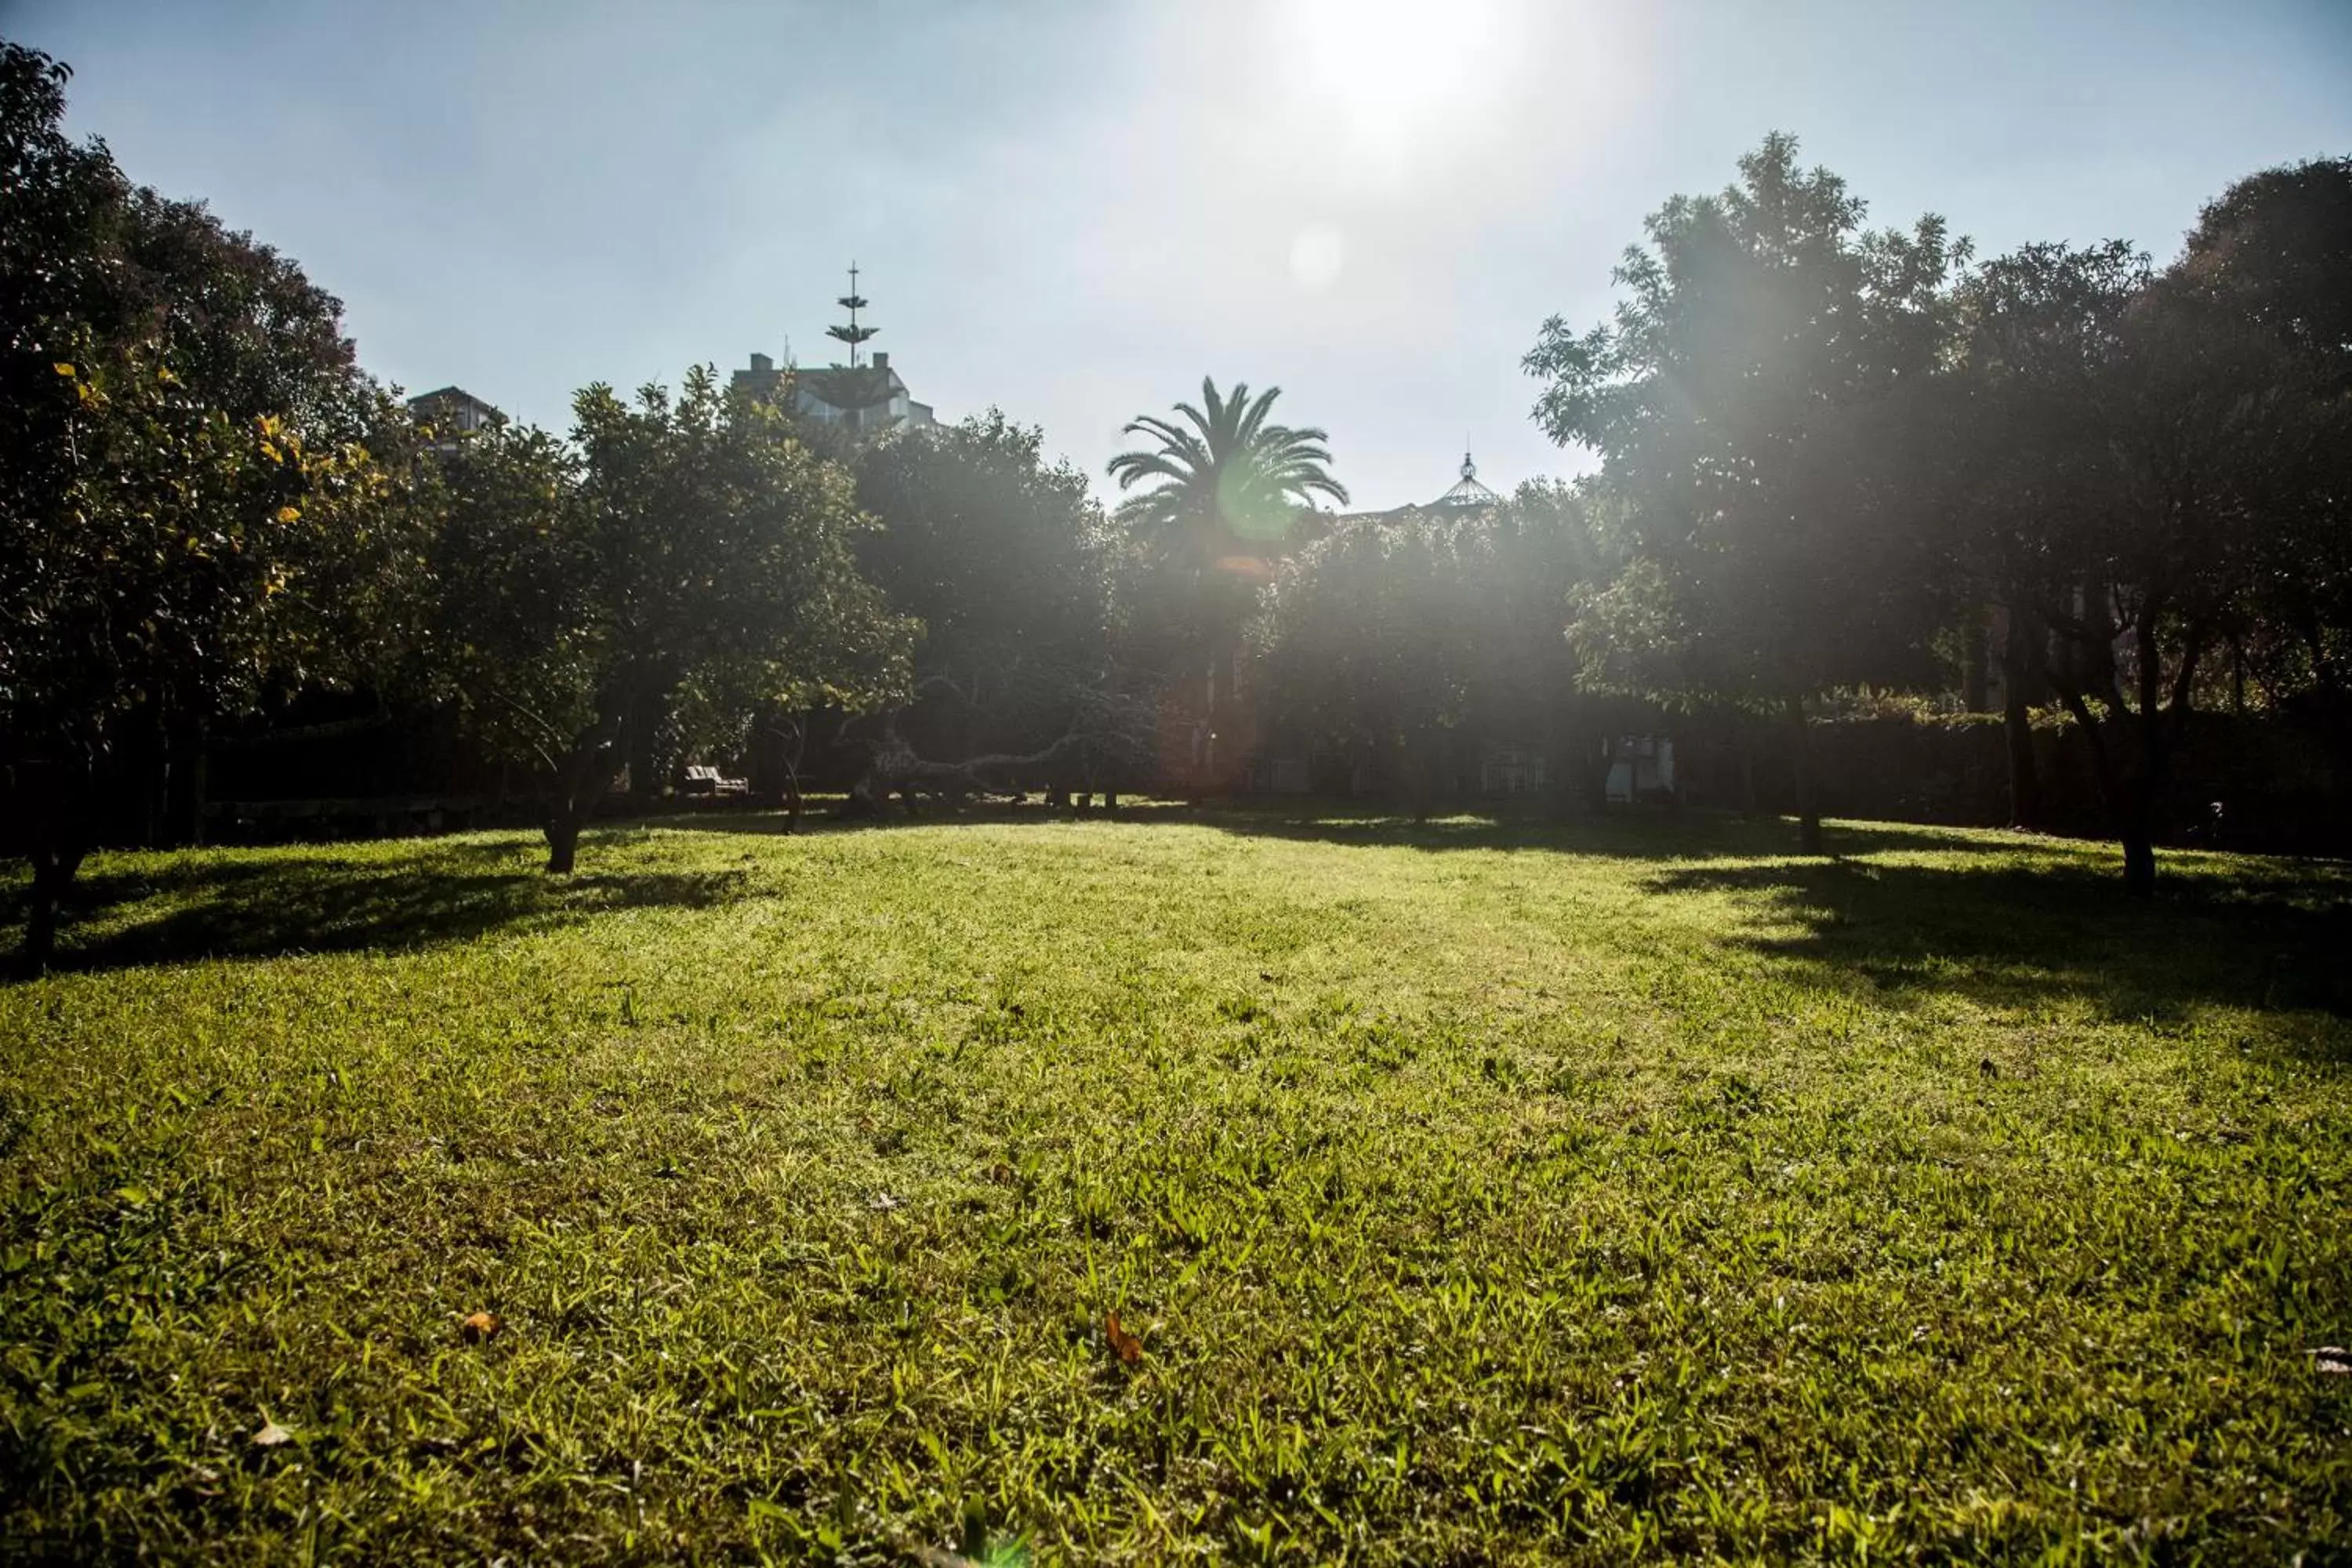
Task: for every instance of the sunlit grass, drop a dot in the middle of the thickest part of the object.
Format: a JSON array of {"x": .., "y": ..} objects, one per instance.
[{"x": 1478, "y": 1193}]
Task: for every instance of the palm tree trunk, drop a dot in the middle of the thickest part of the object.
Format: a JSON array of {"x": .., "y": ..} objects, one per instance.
[{"x": 2018, "y": 668}]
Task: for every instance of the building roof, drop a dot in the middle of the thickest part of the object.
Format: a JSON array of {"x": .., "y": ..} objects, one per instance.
[
  {"x": 1467, "y": 491},
  {"x": 440, "y": 395},
  {"x": 851, "y": 386},
  {"x": 1467, "y": 495},
  {"x": 450, "y": 410}
]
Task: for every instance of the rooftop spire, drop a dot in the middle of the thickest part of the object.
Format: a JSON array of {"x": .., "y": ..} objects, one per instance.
[
  {"x": 852, "y": 334},
  {"x": 1467, "y": 491}
]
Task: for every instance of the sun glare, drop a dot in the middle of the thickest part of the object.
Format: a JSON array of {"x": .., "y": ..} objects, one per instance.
[{"x": 1394, "y": 67}]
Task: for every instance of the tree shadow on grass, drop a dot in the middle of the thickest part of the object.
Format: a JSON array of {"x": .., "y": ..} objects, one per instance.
[
  {"x": 828, "y": 818},
  {"x": 186, "y": 908},
  {"x": 1634, "y": 833},
  {"x": 2010, "y": 919},
  {"x": 1639, "y": 832},
  {"x": 1646, "y": 832},
  {"x": 2272, "y": 938}
]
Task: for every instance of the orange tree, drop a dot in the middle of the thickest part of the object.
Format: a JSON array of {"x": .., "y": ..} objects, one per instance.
[
  {"x": 194, "y": 495},
  {"x": 678, "y": 559}
]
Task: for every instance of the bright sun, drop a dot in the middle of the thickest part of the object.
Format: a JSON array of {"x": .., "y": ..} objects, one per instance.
[{"x": 1394, "y": 67}]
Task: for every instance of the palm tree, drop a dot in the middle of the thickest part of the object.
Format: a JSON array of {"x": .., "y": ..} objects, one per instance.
[
  {"x": 1228, "y": 477},
  {"x": 1230, "y": 484}
]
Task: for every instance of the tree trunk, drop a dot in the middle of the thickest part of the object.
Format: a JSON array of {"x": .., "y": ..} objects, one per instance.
[
  {"x": 562, "y": 840},
  {"x": 2024, "y": 774},
  {"x": 1220, "y": 714},
  {"x": 2123, "y": 802},
  {"x": 40, "y": 812},
  {"x": 1602, "y": 762},
  {"x": 185, "y": 745},
  {"x": 1975, "y": 677},
  {"x": 2139, "y": 862},
  {"x": 2017, "y": 668},
  {"x": 53, "y": 868},
  {"x": 2132, "y": 784},
  {"x": 1410, "y": 793},
  {"x": 1743, "y": 737},
  {"x": 1801, "y": 760},
  {"x": 637, "y": 737},
  {"x": 2160, "y": 726},
  {"x": 155, "y": 769},
  {"x": 579, "y": 785},
  {"x": 2135, "y": 823}
]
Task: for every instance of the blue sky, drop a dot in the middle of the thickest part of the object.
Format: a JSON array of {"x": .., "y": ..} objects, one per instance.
[{"x": 1073, "y": 211}]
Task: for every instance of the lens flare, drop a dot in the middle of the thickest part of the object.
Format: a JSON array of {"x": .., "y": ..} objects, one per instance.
[{"x": 1317, "y": 254}]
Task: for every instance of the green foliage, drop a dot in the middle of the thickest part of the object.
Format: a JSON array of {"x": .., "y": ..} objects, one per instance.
[
  {"x": 59, "y": 203},
  {"x": 190, "y": 505},
  {"x": 723, "y": 551},
  {"x": 1384, "y": 635},
  {"x": 679, "y": 556},
  {"x": 2273, "y": 255},
  {"x": 1737, "y": 403},
  {"x": 1224, "y": 479},
  {"x": 1005, "y": 562},
  {"x": 1632, "y": 1193},
  {"x": 1222, "y": 489},
  {"x": 1370, "y": 635},
  {"x": 2123, "y": 461},
  {"x": 2036, "y": 335},
  {"x": 1827, "y": 464},
  {"x": 508, "y": 632},
  {"x": 198, "y": 558},
  {"x": 2275, "y": 249}
]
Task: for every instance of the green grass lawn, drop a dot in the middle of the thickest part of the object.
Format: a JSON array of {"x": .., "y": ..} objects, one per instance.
[{"x": 1626, "y": 1191}]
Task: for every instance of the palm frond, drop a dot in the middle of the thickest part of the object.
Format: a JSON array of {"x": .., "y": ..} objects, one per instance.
[
  {"x": 1253, "y": 423},
  {"x": 1226, "y": 462}
]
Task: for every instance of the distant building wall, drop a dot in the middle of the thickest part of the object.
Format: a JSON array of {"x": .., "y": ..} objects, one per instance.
[{"x": 867, "y": 398}]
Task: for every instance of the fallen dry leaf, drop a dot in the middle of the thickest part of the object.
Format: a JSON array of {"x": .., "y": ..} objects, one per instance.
[
  {"x": 480, "y": 1326},
  {"x": 1129, "y": 1346},
  {"x": 272, "y": 1434}
]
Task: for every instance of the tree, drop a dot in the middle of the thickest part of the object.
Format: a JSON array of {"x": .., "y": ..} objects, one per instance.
[
  {"x": 1003, "y": 559},
  {"x": 58, "y": 199},
  {"x": 1729, "y": 400},
  {"x": 60, "y": 206},
  {"x": 2274, "y": 251},
  {"x": 678, "y": 559},
  {"x": 1368, "y": 642},
  {"x": 1223, "y": 486},
  {"x": 2133, "y": 468},
  {"x": 2198, "y": 431},
  {"x": 2274, "y": 255},
  {"x": 2013, "y": 447},
  {"x": 190, "y": 506},
  {"x": 1391, "y": 638}
]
